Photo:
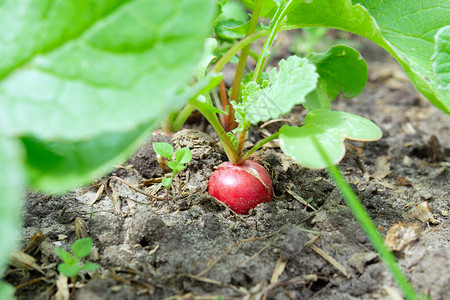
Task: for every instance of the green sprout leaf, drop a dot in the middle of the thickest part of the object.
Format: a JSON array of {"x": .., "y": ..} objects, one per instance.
[
  {"x": 406, "y": 29},
  {"x": 287, "y": 87},
  {"x": 66, "y": 257},
  {"x": 90, "y": 266},
  {"x": 441, "y": 58},
  {"x": 341, "y": 69},
  {"x": 167, "y": 181},
  {"x": 69, "y": 270},
  {"x": 11, "y": 194},
  {"x": 175, "y": 166},
  {"x": 183, "y": 155},
  {"x": 329, "y": 129},
  {"x": 82, "y": 247},
  {"x": 164, "y": 149}
]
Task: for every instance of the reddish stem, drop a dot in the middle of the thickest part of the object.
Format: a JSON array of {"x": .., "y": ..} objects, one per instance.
[
  {"x": 227, "y": 121},
  {"x": 241, "y": 142}
]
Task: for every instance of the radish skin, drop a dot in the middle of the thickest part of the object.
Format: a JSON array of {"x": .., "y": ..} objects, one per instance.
[{"x": 241, "y": 187}]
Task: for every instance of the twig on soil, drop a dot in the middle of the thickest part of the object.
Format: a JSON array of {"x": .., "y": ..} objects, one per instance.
[
  {"x": 100, "y": 191},
  {"x": 212, "y": 281},
  {"x": 114, "y": 197},
  {"x": 34, "y": 244},
  {"x": 32, "y": 281},
  {"x": 279, "y": 269},
  {"x": 313, "y": 239},
  {"x": 40, "y": 198},
  {"x": 228, "y": 251},
  {"x": 331, "y": 260},
  {"x": 393, "y": 292},
  {"x": 108, "y": 181},
  {"x": 300, "y": 199},
  {"x": 147, "y": 182},
  {"x": 257, "y": 253},
  {"x": 335, "y": 263},
  {"x": 293, "y": 280},
  {"x": 109, "y": 191}
]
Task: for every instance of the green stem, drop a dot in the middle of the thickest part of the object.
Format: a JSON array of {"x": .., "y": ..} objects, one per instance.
[
  {"x": 278, "y": 18},
  {"x": 253, "y": 55},
  {"x": 368, "y": 226},
  {"x": 257, "y": 146},
  {"x": 372, "y": 233},
  {"x": 236, "y": 48},
  {"x": 181, "y": 118},
  {"x": 244, "y": 53},
  {"x": 247, "y": 41},
  {"x": 214, "y": 121}
]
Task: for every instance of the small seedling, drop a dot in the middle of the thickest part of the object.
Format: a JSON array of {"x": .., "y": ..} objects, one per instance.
[
  {"x": 308, "y": 201},
  {"x": 72, "y": 264},
  {"x": 166, "y": 151}
]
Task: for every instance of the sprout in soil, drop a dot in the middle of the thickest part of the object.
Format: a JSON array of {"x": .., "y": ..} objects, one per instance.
[
  {"x": 165, "y": 153},
  {"x": 72, "y": 264}
]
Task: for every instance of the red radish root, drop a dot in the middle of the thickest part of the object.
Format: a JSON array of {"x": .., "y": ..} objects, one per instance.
[{"x": 241, "y": 187}]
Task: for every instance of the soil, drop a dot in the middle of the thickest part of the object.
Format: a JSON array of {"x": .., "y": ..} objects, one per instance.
[{"x": 195, "y": 248}]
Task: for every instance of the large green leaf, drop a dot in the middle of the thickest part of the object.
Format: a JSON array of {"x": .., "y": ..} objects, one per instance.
[
  {"x": 268, "y": 9},
  {"x": 78, "y": 69},
  {"x": 441, "y": 58},
  {"x": 329, "y": 129},
  {"x": 6, "y": 290},
  {"x": 341, "y": 69},
  {"x": 11, "y": 193},
  {"x": 58, "y": 165},
  {"x": 405, "y": 28},
  {"x": 83, "y": 83},
  {"x": 285, "y": 88}
]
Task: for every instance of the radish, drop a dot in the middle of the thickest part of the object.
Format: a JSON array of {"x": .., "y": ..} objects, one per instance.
[{"x": 241, "y": 187}]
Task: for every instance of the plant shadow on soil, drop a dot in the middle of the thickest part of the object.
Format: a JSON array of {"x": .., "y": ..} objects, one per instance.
[{"x": 197, "y": 248}]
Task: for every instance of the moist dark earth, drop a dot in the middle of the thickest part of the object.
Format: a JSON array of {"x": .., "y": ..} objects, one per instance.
[{"x": 305, "y": 244}]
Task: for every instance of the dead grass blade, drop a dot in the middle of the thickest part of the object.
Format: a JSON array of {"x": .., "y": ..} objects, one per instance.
[{"x": 228, "y": 251}]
